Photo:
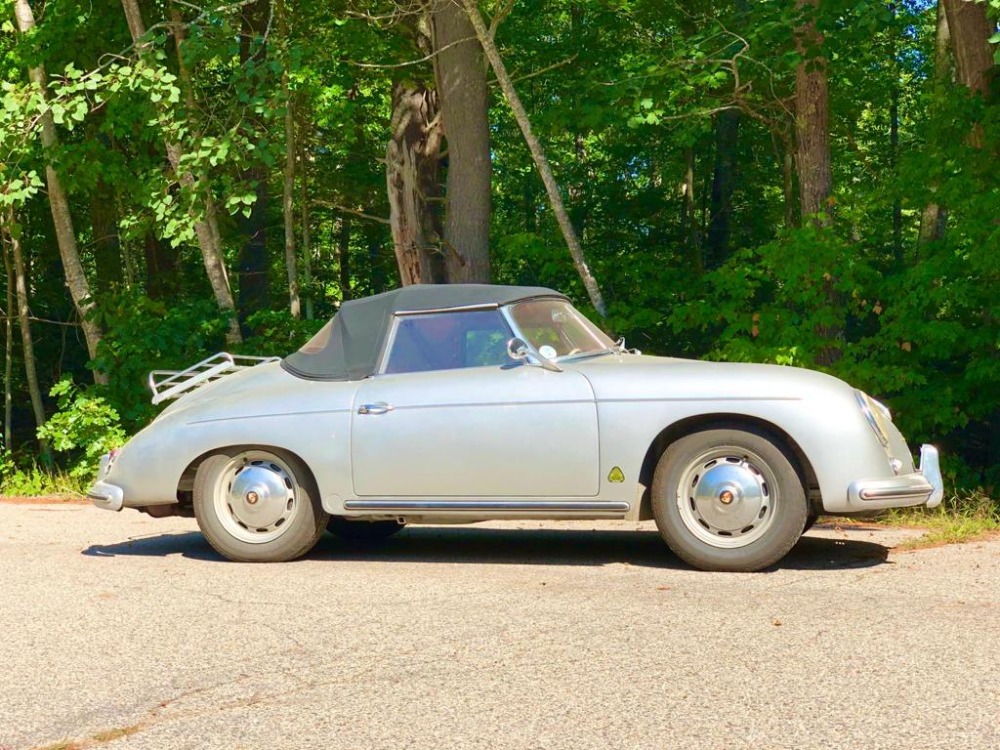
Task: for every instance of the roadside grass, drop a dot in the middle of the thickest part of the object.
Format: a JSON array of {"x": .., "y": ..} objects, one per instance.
[
  {"x": 965, "y": 517},
  {"x": 34, "y": 481}
]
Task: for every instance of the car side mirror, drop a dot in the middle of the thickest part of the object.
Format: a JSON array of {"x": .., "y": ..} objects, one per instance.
[{"x": 517, "y": 349}]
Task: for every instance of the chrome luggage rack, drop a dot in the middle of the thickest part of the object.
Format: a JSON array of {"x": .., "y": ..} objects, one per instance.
[{"x": 168, "y": 384}]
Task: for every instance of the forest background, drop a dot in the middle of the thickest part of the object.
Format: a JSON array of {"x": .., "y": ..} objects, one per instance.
[{"x": 803, "y": 182}]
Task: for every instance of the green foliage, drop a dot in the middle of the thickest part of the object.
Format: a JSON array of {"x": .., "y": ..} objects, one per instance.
[
  {"x": 626, "y": 97},
  {"x": 144, "y": 335},
  {"x": 277, "y": 333},
  {"x": 963, "y": 517},
  {"x": 27, "y": 482},
  {"x": 32, "y": 481},
  {"x": 84, "y": 428}
]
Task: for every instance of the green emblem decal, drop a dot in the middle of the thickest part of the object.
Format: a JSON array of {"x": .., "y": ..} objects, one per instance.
[{"x": 616, "y": 475}]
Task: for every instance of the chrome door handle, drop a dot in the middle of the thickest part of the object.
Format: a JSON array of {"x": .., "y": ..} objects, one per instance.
[{"x": 380, "y": 407}]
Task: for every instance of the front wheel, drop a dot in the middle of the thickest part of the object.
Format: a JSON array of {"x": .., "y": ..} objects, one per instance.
[
  {"x": 728, "y": 499},
  {"x": 258, "y": 506}
]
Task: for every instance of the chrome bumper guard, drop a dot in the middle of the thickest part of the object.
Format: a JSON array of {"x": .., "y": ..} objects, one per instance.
[
  {"x": 104, "y": 494},
  {"x": 924, "y": 487}
]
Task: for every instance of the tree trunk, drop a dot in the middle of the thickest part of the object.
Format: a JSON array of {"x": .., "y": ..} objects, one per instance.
[
  {"x": 344, "y": 258},
  {"x": 897, "y": 203},
  {"x": 576, "y": 187},
  {"x": 412, "y": 162},
  {"x": 211, "y": 251},
  {"x": 727, "y": 129},
  {"x": 76, "y": 278},
  {"x": 23, "y": 315},
  {"x": 971, "y": 29},
  {"x": 812, "y": 129},
  {"x": 253, "y": 266},
  {"x": 788, "y": 185},
  {"x": 307, "y": 297},
  {"x": 460, "y": 76},
  {"x": 161, "y": 268},
  {"x": 541, "y": 163},
  {"x": 177, "y": 29},
  {"x": 812, "y": 116},
  {"x": 690, "y": 226},
  {"x": 107, "y": 244},
  {"x": 8, "y": 360},
  {"x": 934, "y": 218},
  {"x": 288, "y": 193}
]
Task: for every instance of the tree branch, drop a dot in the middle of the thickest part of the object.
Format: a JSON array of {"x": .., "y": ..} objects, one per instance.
[{"x": 346, "y": 210}]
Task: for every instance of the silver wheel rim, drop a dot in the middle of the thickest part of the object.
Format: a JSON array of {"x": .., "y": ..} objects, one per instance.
[
  {"x": 256, "y": 497},
  {"x": 727, "y": 497}
]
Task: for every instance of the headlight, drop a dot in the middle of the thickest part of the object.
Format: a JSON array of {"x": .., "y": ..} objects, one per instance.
[{"x": 876, "y": 414}]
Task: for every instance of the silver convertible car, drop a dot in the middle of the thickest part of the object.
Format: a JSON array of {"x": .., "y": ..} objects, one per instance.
[{"x": 464, "y": 403}]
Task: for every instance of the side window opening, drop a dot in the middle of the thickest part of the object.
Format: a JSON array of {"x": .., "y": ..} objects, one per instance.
[{"x": 447, "y": 341}]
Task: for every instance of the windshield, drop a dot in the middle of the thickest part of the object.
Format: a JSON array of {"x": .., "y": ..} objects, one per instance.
[{"x": 555, "y": 329}]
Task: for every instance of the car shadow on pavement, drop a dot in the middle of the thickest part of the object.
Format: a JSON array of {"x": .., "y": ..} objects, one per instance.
[
  {"x": 190, "y": 544},
  {"x": 468, "y": 544},
  {"x": 573, "y": 547}
]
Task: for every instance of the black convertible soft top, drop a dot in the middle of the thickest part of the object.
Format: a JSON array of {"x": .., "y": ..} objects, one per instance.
[{"x": 348, "y": 347}]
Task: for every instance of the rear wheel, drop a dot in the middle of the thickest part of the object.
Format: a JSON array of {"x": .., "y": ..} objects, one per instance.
[
  {"x": 362, "y": 531},
  {"x": 728, "y": 499},
  {"x": 257, "y": 506}
]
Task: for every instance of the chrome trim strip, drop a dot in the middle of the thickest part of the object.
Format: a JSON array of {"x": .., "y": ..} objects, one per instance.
[
  {"x": 488, "y": 505},
  {"x": 862, "y": 399},
  {"x": 272, "y": 415},
  {"x": 477, "y": 404},
  {"x": 695, "y": 399},
  {"x": 893, "y": 493},
  {"x": 390, "y": 338},
  {"x": 466, "y": 308}
]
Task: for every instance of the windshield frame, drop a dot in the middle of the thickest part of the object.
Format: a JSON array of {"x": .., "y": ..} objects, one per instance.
[{"x": 596, "y": 333}]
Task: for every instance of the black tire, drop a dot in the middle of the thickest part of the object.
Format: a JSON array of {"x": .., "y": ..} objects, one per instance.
[
  {"x": 811, "y": 520},
  {"x": 256, "y": 505},
  {"x": 728, "y": 499},
  {"x": 362, "y": 531}
]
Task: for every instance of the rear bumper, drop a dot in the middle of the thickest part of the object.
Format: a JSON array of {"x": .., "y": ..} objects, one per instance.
[
  {"x": 104, "y": 494},
  {"x": 923, "y": 487},
  {"x": 107, "y": 496}
]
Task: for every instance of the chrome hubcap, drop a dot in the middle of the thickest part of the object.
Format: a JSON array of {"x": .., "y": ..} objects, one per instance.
[
  {"x": 255, "y": 497},
  {"x": 726, "y": 497}
]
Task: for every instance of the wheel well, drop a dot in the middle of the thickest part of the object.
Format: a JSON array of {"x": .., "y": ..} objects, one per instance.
[
  {"x": 704, "y": 422},
  {"x": 185, "y": 485}
]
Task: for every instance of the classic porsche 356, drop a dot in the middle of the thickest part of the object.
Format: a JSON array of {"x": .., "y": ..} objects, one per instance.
[{"x": 464, "y": 403}]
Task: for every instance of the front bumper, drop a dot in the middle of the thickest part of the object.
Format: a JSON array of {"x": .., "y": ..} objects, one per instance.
[
  {"x": 923, "y": 487},
  {"x": 103, "y": 494}
]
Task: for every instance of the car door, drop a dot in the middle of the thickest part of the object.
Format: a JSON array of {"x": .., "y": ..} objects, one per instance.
[{"x": 480, "y": 426}]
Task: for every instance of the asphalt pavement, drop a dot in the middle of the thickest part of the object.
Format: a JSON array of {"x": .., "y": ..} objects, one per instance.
[{"x": 120, "y": 631}]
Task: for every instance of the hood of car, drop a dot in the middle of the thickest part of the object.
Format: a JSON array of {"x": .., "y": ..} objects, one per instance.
[{"x": 631, "y": 376}]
